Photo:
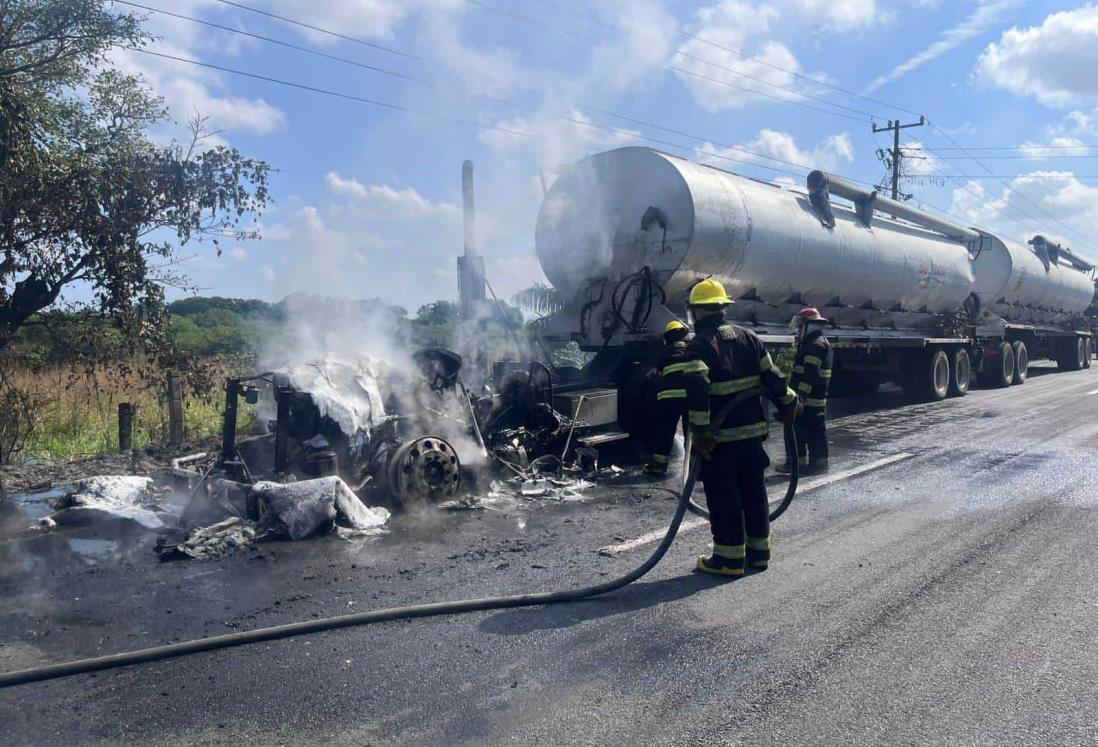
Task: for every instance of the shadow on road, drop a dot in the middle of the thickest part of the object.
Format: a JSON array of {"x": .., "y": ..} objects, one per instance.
[{"x": 637, "y": 596}]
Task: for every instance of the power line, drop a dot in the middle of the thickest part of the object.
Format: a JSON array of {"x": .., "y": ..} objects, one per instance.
[
  {"x": 754, "y": 91},
  {"x": 504, "y": 101},
  {"x": 318, "y": 29},
  {"x": 479, "y": 125},
  {"x": 793, "y": 91},
  {"x": 757, "y": 92},
  {"x": 1018, "y": 147},
  {"x": 1017, "y": 158},
  {"x": 744, "y": 56},
  {"x": 269, "y": 40},
  {"x": 1003, "y": 181},
  {"x": 1035, "y": 222},
  {"x": 328, "y": 92},
  {"x": 976, "y": 177}
]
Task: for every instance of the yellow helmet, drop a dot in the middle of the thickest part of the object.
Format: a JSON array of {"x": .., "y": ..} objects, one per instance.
[
  {"x": 673, "y": 325},
  {"x": 709, "y": 293}
]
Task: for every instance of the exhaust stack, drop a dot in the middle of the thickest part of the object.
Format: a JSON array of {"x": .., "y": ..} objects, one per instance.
[{"x": 470, "y": 265}]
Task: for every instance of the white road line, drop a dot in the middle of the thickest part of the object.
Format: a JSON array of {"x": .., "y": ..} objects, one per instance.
[
  {"x": 1094, "y": 392},
  {"x": 806, "y": 486}
]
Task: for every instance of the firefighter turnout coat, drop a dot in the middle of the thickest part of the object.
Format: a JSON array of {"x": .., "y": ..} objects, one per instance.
[
  {"x": 812, "y": 370},
  {"x": 724, "y": 360}
]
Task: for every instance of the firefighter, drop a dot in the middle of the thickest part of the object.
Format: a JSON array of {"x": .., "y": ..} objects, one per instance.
[
  {"x": 725, "y": 360},
  {"x": 811, "y": 380},
  {"x": 671, "y": 398}
]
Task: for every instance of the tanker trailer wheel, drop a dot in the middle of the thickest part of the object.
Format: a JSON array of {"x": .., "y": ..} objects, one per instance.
[
  {"x": 1089, "y": 352},
  {"x": 1084, "y": 352},
  {"x": 1068, "y": 355},
  {"x": 960, "y": 373},
  {"x": 1021, "y": 362},
  {"x": 930, "y": 377},
  {"x": 998, "y": 369},
  {"x": 424, "y": 469}
]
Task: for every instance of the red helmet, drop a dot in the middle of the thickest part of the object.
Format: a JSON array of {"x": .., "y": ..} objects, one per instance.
[{"x": 810, "y": 314}]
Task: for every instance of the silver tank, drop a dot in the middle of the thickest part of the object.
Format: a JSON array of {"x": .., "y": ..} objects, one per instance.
[
  {"x": 1014, "y": 283},
  {"x": 763, "y": 242}
]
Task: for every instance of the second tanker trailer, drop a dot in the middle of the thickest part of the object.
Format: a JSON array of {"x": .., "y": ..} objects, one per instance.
[{"x": 623, "y": 235}]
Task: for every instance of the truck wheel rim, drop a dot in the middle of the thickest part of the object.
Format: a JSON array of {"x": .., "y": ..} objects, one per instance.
[
  {"x": 941, "y": 375},
  {"x": 963, "y": 372}
]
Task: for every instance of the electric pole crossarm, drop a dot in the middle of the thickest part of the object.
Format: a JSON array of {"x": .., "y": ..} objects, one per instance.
[{"x": 897, "y": 155}]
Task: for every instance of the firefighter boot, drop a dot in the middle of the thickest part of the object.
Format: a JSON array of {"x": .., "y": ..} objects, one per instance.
[
  {"x": 657, "y": 465},
  {"x": 816, "y": 467},
  {"x": 758, "y": 552},
  {"x": 785, "y": 468},
  {"x": 726, "y": 560}
]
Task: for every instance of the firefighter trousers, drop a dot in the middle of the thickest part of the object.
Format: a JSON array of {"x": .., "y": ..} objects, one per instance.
[
  {"x": 811, "y": 430},
  {"x": 665, "y": 424},
  {"x": 735, "y": 489}
]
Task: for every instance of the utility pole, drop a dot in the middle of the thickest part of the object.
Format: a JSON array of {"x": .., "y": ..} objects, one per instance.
[{"x": 896, "y": 155}]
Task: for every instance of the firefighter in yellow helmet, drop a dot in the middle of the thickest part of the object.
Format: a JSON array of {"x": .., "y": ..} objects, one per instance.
[
  {"x": 725, "y": 360},
  {"x": 670, "y": 398}
]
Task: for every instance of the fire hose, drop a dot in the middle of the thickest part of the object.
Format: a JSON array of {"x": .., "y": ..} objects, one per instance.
[{"x": 156, "y": 653}]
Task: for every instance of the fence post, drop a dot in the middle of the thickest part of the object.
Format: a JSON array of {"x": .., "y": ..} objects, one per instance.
[
  {"x": 125, "y": 426},
  {"x": 175, "y": 409}
]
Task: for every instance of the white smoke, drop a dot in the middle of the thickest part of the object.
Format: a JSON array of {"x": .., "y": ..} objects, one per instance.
[{"x": 347, "y": 350}]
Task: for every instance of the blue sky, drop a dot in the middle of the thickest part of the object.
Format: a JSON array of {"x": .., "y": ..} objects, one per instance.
[{"x": 368, "y": 197}]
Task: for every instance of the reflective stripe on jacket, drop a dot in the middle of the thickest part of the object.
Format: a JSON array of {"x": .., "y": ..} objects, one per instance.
[
  {"x": 735, "y": 360},
  {"x": 812, "y": 369}
]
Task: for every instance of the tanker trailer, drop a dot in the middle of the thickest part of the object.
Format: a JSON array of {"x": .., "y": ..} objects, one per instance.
[
  {"x": 1035, "y": 297},
  {"x": 623, "y": 236}
]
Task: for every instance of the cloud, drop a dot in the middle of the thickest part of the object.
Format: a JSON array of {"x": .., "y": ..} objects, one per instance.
[
  {"x": 557, "y": 139},
  {"x": 988, "y": 14},
  {"x": 828, "y": 155},
  {"x": 746, "y": 28},
  {"x": 391, "y": 202},
  {"x": 1053, "y": 62},
  {"x": 1057, "y": 146},
  {"x": 1069, "y": 201},
  {"x": 369, "y": 19},
  {"x": 842, "y": 15},
  {"x": 238, "y": 254},
  {"x": 188, "y": 89}
]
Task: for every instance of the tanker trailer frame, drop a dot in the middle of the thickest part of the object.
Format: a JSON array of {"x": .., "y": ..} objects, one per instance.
[{"x": 912, "y": 298}]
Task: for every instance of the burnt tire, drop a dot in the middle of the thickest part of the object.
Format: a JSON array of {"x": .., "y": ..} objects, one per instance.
[
  {"x": 960, "y": 373},
  {"x": 1021, "y": 362},
  {"x": 998, "y": 369},
  {"x": 928, "y": 379}
]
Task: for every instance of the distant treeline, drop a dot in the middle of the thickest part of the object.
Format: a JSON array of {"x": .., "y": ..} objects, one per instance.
[{"x": 217, "y": 327}]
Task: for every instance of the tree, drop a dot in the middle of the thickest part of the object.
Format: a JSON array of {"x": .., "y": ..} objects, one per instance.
[{"x": 86, "y": 196}]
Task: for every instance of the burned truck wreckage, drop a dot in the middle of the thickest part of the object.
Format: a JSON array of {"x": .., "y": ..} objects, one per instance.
[{"x": 400, "y": 439}]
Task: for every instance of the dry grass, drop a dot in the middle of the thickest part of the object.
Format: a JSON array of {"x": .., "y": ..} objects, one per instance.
[{"x": 78, "y": 413}]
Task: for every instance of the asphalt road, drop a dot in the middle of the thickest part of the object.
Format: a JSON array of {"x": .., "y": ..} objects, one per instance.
[{"x": 949, "y": 597}]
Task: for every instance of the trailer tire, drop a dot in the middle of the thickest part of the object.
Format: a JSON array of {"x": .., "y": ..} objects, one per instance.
[
  {"x": 1021, "y": 362},
  {"x": 929, "y": 378},
  {"x": 1068, "y": 355},
  {"x": 998, "y": 370},
  {"x": 960, "y": 373},
  {"x": 1088, "y": 351}
]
